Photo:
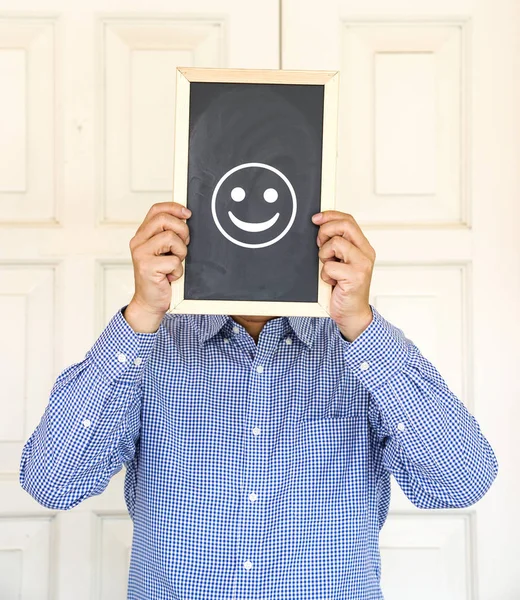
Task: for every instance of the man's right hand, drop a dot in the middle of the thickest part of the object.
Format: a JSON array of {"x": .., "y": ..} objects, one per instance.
[{"x": 158, "y": 249}]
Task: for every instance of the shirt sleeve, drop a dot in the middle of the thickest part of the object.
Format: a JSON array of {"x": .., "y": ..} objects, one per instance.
[
  {"x": 432, "y": 445},
  {"x": 91, "y": 424}
]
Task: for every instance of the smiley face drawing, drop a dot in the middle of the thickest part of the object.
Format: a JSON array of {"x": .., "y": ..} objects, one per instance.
[{"x": 254, "y": 205}]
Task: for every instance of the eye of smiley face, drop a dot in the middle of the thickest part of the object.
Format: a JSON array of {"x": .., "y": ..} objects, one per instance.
[{"x": 254, "y": 205}]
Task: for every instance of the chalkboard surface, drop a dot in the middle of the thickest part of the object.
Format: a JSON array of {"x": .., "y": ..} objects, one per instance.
[{"x": 254, "y": 180}]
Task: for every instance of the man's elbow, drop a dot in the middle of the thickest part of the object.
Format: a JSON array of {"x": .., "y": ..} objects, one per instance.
[
  {"x": 477, "y": 485},
  {"x": 45, "y": 493},
  {"x": 453, "y": 490},
  {"x": 48, "y": 490}
]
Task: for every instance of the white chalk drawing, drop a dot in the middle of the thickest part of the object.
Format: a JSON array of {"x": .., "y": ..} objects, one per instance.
[
  {"x": 270, "y": 195},
  {"x": 253, "y": 227},
  {"x": 238, "y": 194}
]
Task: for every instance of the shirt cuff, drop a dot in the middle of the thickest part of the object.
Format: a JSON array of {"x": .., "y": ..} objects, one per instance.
[
  {"x": 120, "y": 352},
  {"x": 378, "y": 353}
]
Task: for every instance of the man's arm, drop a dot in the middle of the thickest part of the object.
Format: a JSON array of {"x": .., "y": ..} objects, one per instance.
[
  {"x": 91, "y": 424},
  {"x": 432, "y": 445}
]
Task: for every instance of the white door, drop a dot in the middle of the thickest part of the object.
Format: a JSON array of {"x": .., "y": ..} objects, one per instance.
[
  {"x": 429, "y": 156},
  {"x": 86, "y": 147}
]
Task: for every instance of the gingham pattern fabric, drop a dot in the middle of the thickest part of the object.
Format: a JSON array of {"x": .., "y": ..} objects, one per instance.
[{"x": 256, "y": 472}]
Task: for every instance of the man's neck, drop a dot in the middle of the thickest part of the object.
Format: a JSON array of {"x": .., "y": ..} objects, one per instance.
[{"x": 253, "y": 325}]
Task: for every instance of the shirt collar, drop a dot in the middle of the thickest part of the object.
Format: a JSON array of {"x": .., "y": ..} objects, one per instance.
[
  {"x": 207, "y": 326},
  {"x": 304, "y": 328}
]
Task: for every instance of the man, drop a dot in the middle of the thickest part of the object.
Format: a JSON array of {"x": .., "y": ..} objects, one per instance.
[{"x": 258, "y": 450}]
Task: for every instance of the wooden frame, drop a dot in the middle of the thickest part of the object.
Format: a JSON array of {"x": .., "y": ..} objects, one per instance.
[{"x": 330, "y": 81}]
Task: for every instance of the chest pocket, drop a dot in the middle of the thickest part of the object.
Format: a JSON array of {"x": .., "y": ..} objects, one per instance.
[
  {"x": 331, "y": 451},
  {"x": 331, "y": 427},
  {"x": 343, "y": 398}
]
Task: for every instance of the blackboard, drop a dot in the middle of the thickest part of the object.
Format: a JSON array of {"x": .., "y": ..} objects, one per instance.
[{"x": 253, "y": 182}]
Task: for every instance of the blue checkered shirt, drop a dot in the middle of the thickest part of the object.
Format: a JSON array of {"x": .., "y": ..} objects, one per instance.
[{"x": 256, "y": 472}]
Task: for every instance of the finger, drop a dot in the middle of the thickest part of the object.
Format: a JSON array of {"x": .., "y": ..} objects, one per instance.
[
  {"x": 336, "y": 223},
  {"x": 163, "y": 243},
  {"x": 335, "y": 272},
  {"x": 171, "y": 266},
  {"x": 326, "y": 278},
  {"x": 157, "y": 267},
  {"x": 173, "y": 208},
  {"x": 161, "y": 222},
  {"x": 165, "y": 265},
  {"x": 345, "y": 228},
  {"x": 341, "y": 249},
  {"x": 171, "y": 278}
]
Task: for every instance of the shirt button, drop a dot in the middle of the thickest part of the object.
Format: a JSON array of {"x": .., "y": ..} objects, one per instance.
[
  {"x": 288, "y": 341},
  {"x": 226, "y": 341},
  {"x": 137, "y": 361},
  {"x": 248, "y": 564},
  {"x": 256, "y": 431},
  {"x": 253, "y": 497},
  {"x": 364, "y": 366},
  {"x": 236, "y": 330},
  {"x": 121, "y": 357},
  {"x": 86, "y": 423},
  {"x": 259, "y": 369},
  {"x": 401, "y": 426}
]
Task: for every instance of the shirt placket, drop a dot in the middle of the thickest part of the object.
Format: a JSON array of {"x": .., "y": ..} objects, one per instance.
[{"x": 254, "y": 490}]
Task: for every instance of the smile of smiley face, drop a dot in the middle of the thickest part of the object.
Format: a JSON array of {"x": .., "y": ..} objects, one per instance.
[{"x": 254, "y": 205}]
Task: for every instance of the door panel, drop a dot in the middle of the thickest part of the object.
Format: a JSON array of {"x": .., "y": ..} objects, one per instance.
[
  {"x": 426, "y": 557},
  {"x": 138, "y": 60},
  {"x": 28, "y": 154},
  {"x": 402, "y": 105}
]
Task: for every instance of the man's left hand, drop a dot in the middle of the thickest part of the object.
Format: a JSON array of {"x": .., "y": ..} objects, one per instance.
[{"x": 348, "y": 261}]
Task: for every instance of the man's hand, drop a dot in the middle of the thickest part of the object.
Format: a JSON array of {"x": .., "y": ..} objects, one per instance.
[
  {"x": 158, "y": 249},
  {"x": 348, "y": 261}
]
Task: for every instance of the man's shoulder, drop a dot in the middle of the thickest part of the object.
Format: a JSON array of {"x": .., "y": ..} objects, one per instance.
[
  {"x": 176, "y": 324},
  {"x": 188, "y": 329}
]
